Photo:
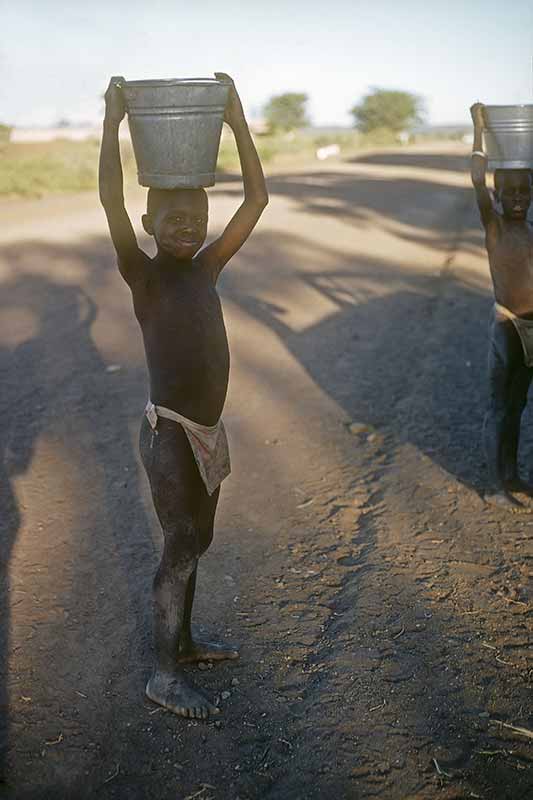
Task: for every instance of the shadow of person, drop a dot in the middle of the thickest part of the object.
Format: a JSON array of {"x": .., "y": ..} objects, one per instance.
[
  {"x": 84, "y": 548},
  {"x": 22, "y": 405},
  {"x": 450, "y": 162},
  {"x": 10, "y": 518},
  {"x": 409, "y": 360}
]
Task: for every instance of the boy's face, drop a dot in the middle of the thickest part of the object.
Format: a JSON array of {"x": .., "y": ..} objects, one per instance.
[
  {"x": 515, "y": 195},
  {"x": 179, "y": 223}
]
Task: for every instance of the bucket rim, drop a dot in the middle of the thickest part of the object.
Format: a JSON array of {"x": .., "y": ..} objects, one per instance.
[
  {"x": 508, "y": 105},
  {"x": 163, "y": 82}
]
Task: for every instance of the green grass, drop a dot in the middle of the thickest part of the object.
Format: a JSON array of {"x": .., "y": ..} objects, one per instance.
[
  {"x": 300, "y": 148},
  {"x": 40, "y": 168},
  {"x": 36, "y": 169}
]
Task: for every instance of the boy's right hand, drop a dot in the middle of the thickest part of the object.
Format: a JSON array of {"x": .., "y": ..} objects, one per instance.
[
  {"x": 115, "y": 107},
  {"x": 233, "y": 113},
  {"x": 477, "y": 114}
]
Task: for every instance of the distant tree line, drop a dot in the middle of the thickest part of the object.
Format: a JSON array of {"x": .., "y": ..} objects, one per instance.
[{"x": 380, "y": 109}]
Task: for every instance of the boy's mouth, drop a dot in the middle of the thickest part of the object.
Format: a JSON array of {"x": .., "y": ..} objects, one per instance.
[{"x": 185, "y": 242}]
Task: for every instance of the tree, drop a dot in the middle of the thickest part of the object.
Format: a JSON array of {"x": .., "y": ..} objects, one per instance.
[
  {"x": 287, "y": 111},
  {"x": 386, "y": 108}
]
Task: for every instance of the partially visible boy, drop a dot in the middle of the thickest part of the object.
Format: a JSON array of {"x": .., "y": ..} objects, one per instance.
[
  {"x": 182, "y": 441},
  {"x": 509, "y": 242}
]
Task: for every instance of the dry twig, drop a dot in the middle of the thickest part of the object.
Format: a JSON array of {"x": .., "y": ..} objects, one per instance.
[
  {"x": 439, "y": 770},
  {"x": 522, "y": 731},
  {"x": 204, "y": 787},
  {"x": 114, "y": 775},
  {"x": 56, "y": 741}
]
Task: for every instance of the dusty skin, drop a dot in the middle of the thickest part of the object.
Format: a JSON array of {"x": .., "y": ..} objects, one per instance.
[
  {"x": 505, "y": 500},
  {"x": 198, "y": 650},
  {"x": 382, "y": 610},
  {"x": 174, "y": 693},
  {"x": 177, "y": 306}
]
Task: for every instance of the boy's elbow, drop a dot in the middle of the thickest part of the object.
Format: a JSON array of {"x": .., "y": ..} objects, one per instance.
[
  {"x": 108, "y": 195},
  {"x": 262, "y": 201},
  {"x": 256, "y": 203}
]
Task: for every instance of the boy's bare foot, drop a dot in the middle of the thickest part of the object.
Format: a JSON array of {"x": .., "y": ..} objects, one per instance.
[
  {"x": 504, "y": 500},
  {"x": 198, "y": 650},
  {"x": 519, "y": 486},
  {"x": 173, "y": 693}
]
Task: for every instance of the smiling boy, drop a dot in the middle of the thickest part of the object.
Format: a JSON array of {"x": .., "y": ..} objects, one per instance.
[
  {"x": 509, "y": 242},
  {"x": 182, "y": 441}
]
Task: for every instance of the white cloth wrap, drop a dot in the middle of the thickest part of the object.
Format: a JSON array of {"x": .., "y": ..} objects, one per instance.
[{"x": 209, "y": 444}]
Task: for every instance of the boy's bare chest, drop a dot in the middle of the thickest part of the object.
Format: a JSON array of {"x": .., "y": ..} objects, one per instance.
[
  {"x": 180, "y": 304},
  {"x": 514, "y": 248}
]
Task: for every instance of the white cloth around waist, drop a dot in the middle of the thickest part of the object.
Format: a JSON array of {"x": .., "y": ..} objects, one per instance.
[{"x": 209, "y": 444}]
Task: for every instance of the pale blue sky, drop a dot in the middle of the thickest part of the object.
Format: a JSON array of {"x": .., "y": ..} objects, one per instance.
[{"x": 56, "y": 56}]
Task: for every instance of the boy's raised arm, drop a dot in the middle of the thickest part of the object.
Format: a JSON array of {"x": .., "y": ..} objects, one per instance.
[
  {"x": 219, "y": 252},
  {"x": 478, "y": 168},
  {"x": 110, "y": 181}
]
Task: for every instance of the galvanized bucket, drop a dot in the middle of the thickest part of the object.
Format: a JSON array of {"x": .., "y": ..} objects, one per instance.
[
  {"x": 175, "y": 128},
  {"x": 508, "y": 136}
]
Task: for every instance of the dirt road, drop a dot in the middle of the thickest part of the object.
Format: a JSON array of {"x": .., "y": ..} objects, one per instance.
[{"x": 383, "y": 612}]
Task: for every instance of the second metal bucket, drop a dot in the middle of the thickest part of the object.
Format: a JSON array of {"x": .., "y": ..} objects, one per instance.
[
  {"x": 175, "y": 128},
  {"x": 508, "y": 136}
]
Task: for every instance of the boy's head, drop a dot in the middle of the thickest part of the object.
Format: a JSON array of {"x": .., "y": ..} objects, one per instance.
[
  {"x": 177, "y": 219},
  {"x": 513, "y": 190}
]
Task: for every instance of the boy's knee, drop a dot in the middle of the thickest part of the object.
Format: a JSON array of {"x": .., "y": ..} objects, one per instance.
[{"x": 182, "y": 544}]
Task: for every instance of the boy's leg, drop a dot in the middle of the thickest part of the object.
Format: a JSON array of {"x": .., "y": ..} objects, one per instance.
[
  {"x": 176, "y": 491},
  {"x": 508, "y": 383},
  {"x": 191, "y": 648},
  {"x": 517, "y": 403}
]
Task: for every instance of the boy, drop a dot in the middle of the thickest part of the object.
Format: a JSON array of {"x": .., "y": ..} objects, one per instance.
[
  {"x": 182, "y": 440},
  {"x": 509, "y": 242}
]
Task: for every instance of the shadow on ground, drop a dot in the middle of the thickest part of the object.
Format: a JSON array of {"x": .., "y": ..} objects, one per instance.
[
  {"x": 63, "y": 414},
  {"x": 407, "y": 207},
  {"x": 373, "y": 345},
  {"x": 399, "y": 351},
  {"x": 449, "y": 162}
]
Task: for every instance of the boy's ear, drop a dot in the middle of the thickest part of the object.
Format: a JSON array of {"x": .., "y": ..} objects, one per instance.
[{"x": 147, "y": 224}]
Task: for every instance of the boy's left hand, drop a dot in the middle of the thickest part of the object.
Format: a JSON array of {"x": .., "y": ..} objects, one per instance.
[{"x": 233, "y": 112}]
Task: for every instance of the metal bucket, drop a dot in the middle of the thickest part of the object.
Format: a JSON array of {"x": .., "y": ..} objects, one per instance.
[
  {"x": 508, "y": 136},
  {"x": 175, "y": 128}
]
